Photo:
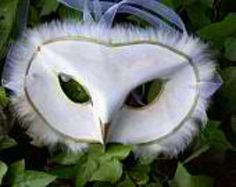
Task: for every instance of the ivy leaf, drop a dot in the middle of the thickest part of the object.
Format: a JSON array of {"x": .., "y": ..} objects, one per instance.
[
  {"x": 67, "y": 158},
  {"x": 63, "y": 172},
  {"x": 197, "y": 14},
  {"x": 109, "y": 170},
  {"x": 218, "y": 32},
  {"x": 230, "y": 48},
  {"x": 7, "y": 18},
  {"x": 118, "y": 151},
  {"x": 101, "y": 165},
  {"x": 215, "y": 137},
  {"x": 6, "y": 142},
  {"x": 96, "y": 150},
  {"x": 208, "y": 3},
  {"x": 3, "y": 97},
  {"x": 102, "y": 184},
  {"x": 183, "y": 178},
  {"x": 85, "y": 170},
  {"x": 140, "y": 174},
  {"x": 156, "y": 184},
  {"x": 3, "y": 170},
  {"x": 169, "y": 3},
  {"x": 154, "y": 90},
  {"x": 233, "y": 123},
  {"x": 126, "y": 183},
  {"x": 47, "y": 7},
  {"x": 146, "y": 159},
  {"x": 34, "y": 178},
  {"x": 197, "y": 152},
  {"x": 15, "y": 171},
  {"x": 228, "y": 103},
  {"x": 18, "y": 177},
  {"x": 34, "y": 17},
  {"x": 69, "y": 13}
]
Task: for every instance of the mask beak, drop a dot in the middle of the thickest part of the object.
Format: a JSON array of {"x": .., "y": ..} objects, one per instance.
[{"x": 105, "y": 128}]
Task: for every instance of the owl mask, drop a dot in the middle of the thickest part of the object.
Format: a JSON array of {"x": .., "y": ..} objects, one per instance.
[{"x": 107, "y": 63}]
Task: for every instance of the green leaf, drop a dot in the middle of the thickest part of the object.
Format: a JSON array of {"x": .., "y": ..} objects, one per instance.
[
  {"x": 197, "y": 15},
  {"x": 154, "y": 90},
  {"x": 3, "y": 97},
  {"x": 47, "y": 7},
  {"x": 85, "y": 170},
  {"x": 208, "y": 3},
  {"x": 218, "y": 32},
  {"x": 102, "y": 184},
  {"x": 74, "y": 90},
  {"x": 69, "y": 13},
  {"x": 183, "y": 178},
  {"x": 7, "y": 18},
  {"x": 34, "y": 17},
  {"x": 169, "y": 3},
  {"x": 126, "y": 183},
  {"x": 140, "y": 174},
  {"x": 228, "y": 103},
  {"x": 215, "y": 137},
  {"x": 230, "y": 48},
  {"x": 202, "y": 149},
  {"x": 146, "y": 159},
  {"x": 118, "y": 151},
  {"x": 6, "y": 142},
  {"x": 156, "y": 184},
  {"x": 3, "y": 170},
  {"x": 34, "y": 178},
  {"x": 109, "y": 170},
  {"x": 233, "y": 123},
  {"x": 67, "y": 158},
  {"x": 63, "y": 172},
  {"x": 96, "y": 150},
  {"x": 99, "y": 165},
  {"x": 15, "y": 172}
]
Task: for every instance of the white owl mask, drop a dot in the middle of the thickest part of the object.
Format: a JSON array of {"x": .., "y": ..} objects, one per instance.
[{"x": 109, "y": 63}]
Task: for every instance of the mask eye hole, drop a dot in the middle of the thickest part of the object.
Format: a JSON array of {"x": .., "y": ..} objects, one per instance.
[
  {"x": 73, "y": 90},
  {"x": 145, "y": 94}
]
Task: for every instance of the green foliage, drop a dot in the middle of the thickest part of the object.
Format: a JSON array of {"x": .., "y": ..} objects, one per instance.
[
  {"x": 228, "y": 89},
  {"x": 74, "y": 91},
  {"x": 6, "y": 142},
  {"x": 101, "y": 165},
  {"x": 67, "y": 158},
  {"x": 126, "y": 183},
  {"x": 47, "y": 7},
  {"x": 210, "y": 158},
  {"x": 214, "y": 137},
  {"x": 183, "y": 178},
  {"x": 218, "y": 32},
  {"x": 3, "y": 170},
  {"x": 140, "y": 174},
  {"x": 7, "y": 18},
  {"x": 33, "y": 178},
  {"x": 3, "y": 98},
  {"x": 230, "y": 48},
  {"x": 17, "y": 176},
  {"x": 118, "y": 151},
  {"x": 197, "y": 13}
]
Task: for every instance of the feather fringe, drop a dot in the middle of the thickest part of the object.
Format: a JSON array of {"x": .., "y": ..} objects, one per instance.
[{"x": 19, "y": 57}]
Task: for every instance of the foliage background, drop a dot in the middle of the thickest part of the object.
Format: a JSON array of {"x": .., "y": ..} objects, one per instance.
[{"x": 209, "y": 161}]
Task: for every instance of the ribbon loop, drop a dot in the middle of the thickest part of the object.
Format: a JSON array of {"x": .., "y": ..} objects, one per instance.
[{"x": 152, "y": 11}]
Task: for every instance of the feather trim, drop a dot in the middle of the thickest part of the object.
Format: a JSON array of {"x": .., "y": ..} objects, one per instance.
[{"x": 21, "y": 53}]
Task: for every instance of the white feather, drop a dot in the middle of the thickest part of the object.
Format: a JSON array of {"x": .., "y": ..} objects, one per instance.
[{"x": 23, "y": 50}]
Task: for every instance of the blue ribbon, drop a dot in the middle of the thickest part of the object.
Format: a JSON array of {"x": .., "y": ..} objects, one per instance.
[{"x": 152, "y": 11}]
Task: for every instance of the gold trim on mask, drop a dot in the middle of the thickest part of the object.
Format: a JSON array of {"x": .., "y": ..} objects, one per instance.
[{"x": 113, "y": 44}]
